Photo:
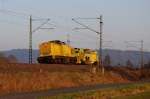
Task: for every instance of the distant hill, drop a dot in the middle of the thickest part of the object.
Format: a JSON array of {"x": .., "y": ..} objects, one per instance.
[
  {"x": 22, "y": 55},
  {"x": 117, "y": 56}
]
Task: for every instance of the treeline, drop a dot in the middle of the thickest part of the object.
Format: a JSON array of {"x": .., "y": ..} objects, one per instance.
[
  {"x": 7, "y": 59},
  {"x": 147, "y": 65},
  {"x": 107, "y": 61}
]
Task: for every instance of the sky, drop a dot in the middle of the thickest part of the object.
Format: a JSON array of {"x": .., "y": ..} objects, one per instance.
[{"x": 124, "y": 20}]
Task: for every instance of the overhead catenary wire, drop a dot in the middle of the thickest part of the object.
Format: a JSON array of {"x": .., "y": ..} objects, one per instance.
[
  {"x": 87, "y": 27},
  {"x": 33, "y": 31},
  {"x": 21, "y": 14},
  {"x": 25, "y": 17},
  {"x": 75, "y": 33},
  {"x": 16, "y": 14},
  {"x": 100, "y": 35}
]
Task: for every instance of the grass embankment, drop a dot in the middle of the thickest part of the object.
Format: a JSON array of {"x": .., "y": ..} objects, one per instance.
[
  {"x": 36, "y": 77},
  {"x": 132, "y": 91},
  {"x": 36, "y": 81}
]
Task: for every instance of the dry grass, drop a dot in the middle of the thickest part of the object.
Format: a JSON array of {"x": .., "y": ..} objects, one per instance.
[
  {"x": 35, "y": 81},
  {"x": 27, "y": 78}
]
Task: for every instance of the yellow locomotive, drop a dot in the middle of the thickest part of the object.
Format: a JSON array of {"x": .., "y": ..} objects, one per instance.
[{"x": 61, "y": 53}]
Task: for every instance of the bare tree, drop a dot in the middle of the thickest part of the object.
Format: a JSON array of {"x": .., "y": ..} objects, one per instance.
[
  {"x": 107, "y": 60},
  {"x": 129, "y": 63}
]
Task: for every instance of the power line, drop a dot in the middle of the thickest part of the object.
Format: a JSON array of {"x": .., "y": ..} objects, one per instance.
[
  {"x": 85, "y": 26},
  {"x": 13, "y": 13},
  {"x": 33, "y": 31},
  {"x": 21, "y": 14},
  {"x": 100, "y": 36},
  {"x": 40, "y": 27}
]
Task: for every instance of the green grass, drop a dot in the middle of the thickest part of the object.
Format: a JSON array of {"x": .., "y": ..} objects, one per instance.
[
  {"x": 125, "y": 91},
  {"x": 144, "y": 95}
]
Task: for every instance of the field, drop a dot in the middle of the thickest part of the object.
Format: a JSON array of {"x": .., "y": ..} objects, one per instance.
[{"x": 36, "y": 77}]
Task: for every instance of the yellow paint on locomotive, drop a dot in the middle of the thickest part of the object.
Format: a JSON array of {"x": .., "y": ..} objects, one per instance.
[
  {"x": 90, "y": 57},
  {"x": 60, "y": 49},
  {"x": 66, "y": 50},
  {"x": 53, "y": 48},
  {"x": 79, "y": 54},
  {"x": 45, "y": 49}
]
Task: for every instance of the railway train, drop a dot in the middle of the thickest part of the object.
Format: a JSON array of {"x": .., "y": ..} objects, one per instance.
[{"x": 59, "y": 52}]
